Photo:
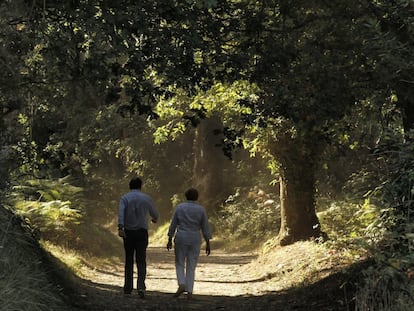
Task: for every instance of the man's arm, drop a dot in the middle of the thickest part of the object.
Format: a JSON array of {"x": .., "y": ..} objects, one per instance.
[
  {"x": 153, "y": 212},
  {"x": 121, "y": 216},
  {"x": 121, "y": 231}
]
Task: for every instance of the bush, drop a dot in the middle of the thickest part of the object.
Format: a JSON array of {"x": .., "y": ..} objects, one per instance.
[
  {"x": 389, "y": 284},
  {"x": 252, "y": 216},
  {"x": 352, "y": 225}
]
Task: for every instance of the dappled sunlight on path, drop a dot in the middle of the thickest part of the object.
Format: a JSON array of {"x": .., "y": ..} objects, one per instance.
[
  {"x": 224, "y": 281},
  {"x": 218, "y": 274}
]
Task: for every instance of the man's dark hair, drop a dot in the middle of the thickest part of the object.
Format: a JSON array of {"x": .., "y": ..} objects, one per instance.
[
  {"x": 191, "y": 194},
  {"x": 135, "y": 183}
]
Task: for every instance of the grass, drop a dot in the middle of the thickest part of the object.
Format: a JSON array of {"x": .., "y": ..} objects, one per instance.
[
  {"x": 298, "y": 265},
  {"x": 26, "y": 282},
  {"x": 69, "y": 258}
]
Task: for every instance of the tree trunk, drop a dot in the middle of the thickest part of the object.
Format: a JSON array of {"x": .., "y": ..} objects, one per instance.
[
  {"x": 297, "y": 192},
  {"x": 209, "y": 163}
]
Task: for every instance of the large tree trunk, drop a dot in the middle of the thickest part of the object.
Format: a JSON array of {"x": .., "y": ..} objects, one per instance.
[
  {"x": 297, "y": 161},
  {"x": 297, "y": 202}
]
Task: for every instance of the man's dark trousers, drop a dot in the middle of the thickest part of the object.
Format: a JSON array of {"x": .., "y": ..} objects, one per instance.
[{"x": 135, "y": 242}]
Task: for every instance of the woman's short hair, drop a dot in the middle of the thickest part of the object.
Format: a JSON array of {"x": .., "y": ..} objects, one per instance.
[{"x": 191, "y": 194}]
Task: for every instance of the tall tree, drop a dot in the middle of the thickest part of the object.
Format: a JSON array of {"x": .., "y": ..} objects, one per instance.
[
  {"x": 210, "y": 163},
  {"x": 307, "y": 59}
]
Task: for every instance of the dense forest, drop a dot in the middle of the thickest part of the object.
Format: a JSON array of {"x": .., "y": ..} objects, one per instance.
[{"x": 276, "y": 111}]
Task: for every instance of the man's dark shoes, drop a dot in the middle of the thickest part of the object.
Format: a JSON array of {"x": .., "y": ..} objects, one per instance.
[
  {"x": 141, "y": 293},
  {"x": 180, "y": 290}
]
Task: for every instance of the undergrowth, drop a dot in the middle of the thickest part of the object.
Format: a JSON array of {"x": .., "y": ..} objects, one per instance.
[
  {"x": 388, "y": 285},
  {"x": 52, "y": 207},
  {"x": 248, "y": 218},
  {"x": 26, "y": 282}
]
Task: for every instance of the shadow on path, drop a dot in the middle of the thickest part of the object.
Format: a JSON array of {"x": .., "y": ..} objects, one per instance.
[
  {"x": 330, "y": 293},
  {"x": 324, "y": 295},
  {"x": 159, "y": 255}
]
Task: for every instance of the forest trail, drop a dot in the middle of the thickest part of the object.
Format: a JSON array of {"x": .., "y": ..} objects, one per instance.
[{"x": 224, "y": 281}]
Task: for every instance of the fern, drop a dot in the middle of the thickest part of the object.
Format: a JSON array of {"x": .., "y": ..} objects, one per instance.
[{"x": 51, "y": 206}]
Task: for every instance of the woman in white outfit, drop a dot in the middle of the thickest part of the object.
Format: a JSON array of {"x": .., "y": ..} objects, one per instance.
[{"x": 188, "y": 222}]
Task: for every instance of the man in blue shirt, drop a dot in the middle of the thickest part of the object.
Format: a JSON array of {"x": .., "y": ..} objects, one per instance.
[
  {"x": 134, "y": 208},
  {"x": 188, "y": 220}
]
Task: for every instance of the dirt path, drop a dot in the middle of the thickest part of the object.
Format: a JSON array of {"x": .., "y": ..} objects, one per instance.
[{"x": 222, "y": 283}]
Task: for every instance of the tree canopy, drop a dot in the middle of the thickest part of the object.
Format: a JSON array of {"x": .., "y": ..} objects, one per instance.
[{"x": 88, "y": 85}]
